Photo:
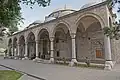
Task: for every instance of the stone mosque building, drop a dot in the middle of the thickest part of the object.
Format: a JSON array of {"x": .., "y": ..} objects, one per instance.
[{"x": 69, "y": 34}]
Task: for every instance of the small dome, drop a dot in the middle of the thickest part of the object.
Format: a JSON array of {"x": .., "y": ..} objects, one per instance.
[
  {"x": 37, "y": 22},
  {"x": 88, "y": 5},
  {"x": 92, "y": 3},
  {"x": 48, "y": 19},
  {"x": 58, "y": 13}
]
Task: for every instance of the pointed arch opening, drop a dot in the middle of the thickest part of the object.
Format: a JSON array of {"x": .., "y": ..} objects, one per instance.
[
  {"x": 89, "y": 39},
  {"x": 15, "y": 46},
  {"x": 62, "y": 42},
  {"x": 10, "y": 47},
  {"x": 31, "y": 46},
  {"x": 44, "y": 44},
  {"x": 21, "y": 46}
]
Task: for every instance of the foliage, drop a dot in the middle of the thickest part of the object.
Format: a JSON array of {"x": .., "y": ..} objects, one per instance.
[
  {"x": 10, "y": 15},
  {"x": 9, "y": 75},
  {"x": 113, "y": 31}
]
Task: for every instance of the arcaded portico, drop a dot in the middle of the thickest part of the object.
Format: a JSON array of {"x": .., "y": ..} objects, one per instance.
[{"x": 69, "y": 34}]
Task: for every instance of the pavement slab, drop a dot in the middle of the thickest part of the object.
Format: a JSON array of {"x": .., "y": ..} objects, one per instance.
[{"x": 60, "y": 72}]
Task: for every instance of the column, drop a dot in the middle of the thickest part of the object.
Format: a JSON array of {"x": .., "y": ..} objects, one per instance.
[
  {"x": 37, "y": 53},
  {"x": 13, "y": 50},
  {"x": 108, "y": 59},
  {"x": 26, "y": 51},
  {"x": 51, "y": 50},
  {"x": 8, "y": 52},
  {"x": 41, "y": 48},
  {"x": 18, "y": 47},
  {"x": 73, "y": 50}
]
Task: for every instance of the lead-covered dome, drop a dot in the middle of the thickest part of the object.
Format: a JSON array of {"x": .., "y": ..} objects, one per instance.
[
  {"x": 58, "y": 13},
  {"x": 35, "y": 23},
  {"x": 88, "y": 5},
  {"x": 92, "y": 3}
]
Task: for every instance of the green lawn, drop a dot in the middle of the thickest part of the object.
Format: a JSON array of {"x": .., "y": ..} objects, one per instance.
[{"x": 9, "y": 75}]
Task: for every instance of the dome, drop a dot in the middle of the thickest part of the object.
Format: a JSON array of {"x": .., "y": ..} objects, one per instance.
[
  {"x": 35, "y": 23},
  {"x": 58, "y": 13},
  {"x": 92, "y": 3},
  {"x": 88, "y": 5},
  {"x": 49, "y": 19}
]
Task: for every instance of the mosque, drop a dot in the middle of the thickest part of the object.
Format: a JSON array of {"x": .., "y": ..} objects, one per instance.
[{"x": 69, "y": 34}]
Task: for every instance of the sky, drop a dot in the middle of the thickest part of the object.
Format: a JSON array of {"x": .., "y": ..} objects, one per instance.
[{"x": 39, "y": 13}]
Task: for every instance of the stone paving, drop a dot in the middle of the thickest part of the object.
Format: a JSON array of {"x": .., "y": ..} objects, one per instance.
[
  {"x": 3, "y": 68},
  {"x": 59, "y": 72},
  {"x": 26, "y": 77}
]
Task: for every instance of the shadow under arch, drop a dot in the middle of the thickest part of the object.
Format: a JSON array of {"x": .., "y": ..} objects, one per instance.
[
  {"x": 10, "y": 47},
  {"x": 15, "y": 46},
  {"x": 31, "y": 46},
  {"x": 89, "y": 39},
  {"x": 21, "y": 46},
  {"x": 44, "y": 44},
  {"x": 62, "y": 42},
  {"x": 97, "y": 17}
]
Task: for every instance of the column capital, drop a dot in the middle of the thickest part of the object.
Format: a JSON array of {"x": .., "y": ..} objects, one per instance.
[
  {"x": 26, "y": 43},
  {"x": 73, "y": 35},
  {"x": 18, "y": 44},
  {"x": 37, "y": 41},
  {"x": 51, "y": 39}
]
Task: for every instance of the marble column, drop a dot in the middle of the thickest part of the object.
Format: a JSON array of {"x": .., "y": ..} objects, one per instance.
[
  {"x": 52, "y": 50},
  {"x": 13, "y": 50},
  {"x": 9, "y": 50},
  {"x": 41, "y": 44},
  {"x": 73, "y": 50},
  {"x": 26, "y": 51},
  {"x": 108, "y": 59},
  {"x": 37, "y": 52},
  {"x": 18, "y": 50}
]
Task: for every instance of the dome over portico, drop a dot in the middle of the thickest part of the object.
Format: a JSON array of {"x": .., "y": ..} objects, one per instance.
[
  {"x": 35, "y": 23},
  {"x": 92, "y": 3},
  {"x": 58, "y": 13}
]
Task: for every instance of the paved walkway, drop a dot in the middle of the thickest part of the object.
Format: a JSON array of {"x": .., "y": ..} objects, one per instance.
[
  {"x": 59, "y": 72},
  {"x": 3, "y": 68}
]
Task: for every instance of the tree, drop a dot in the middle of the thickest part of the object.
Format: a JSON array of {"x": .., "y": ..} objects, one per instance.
[
  {"x": 10, "y": 15},
  {"x": 113, "y": 31}
]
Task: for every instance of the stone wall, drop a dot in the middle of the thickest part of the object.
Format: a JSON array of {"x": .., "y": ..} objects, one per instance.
[{"x": 115, "y": 45}]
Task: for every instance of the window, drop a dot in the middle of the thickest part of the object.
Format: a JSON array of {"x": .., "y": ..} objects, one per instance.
[
  {"x": 57, "y": 40},
  {"x": 58, "y": 54},
  {"x": 99, "y": 54}
]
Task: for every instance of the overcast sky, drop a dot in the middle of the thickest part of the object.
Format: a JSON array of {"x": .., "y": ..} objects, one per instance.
[{"x": 39, "y": 13}]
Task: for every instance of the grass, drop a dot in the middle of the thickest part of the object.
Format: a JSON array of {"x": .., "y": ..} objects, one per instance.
[
  {"x": 84, "y": 65},
  {"x": 91, "y": 66},
  {"x": 9, "y": 75}
]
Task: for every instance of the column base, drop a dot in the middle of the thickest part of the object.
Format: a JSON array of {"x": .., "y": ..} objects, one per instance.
[
  {"x": 72, "y": 63},
  {"x": 51, "y": 60},
  {"x": 16, "y": 58},
  {"x": 108, "y": 65},
  {"x": 25, "y": 58},
  {"x": 37, "y": 59}
]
